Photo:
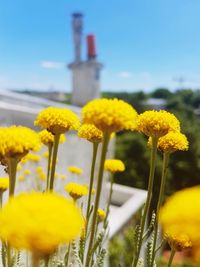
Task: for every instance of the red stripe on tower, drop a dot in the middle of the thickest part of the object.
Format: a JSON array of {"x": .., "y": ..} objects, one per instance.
[{"x": 91, "y": 49}]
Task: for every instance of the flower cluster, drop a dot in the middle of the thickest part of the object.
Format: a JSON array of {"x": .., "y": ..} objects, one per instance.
[
  {"x": 172, "y": 142},
  {"x": 110, "y": 115},
  {"x": 74, "y": 169},
  {"x": 180, "y": 216},
  {"x": 4, "y": 184},
  {"x": 57, "y": 120},
  {"x": 17, "y": 141},
  {"x": 114, "y": 165},
  {"x": 42, "y": 221},
  {"x": 90, "y": 133},
  {"x": 101, "y": 215},
  {"x": 157, "y": 123},
  {"x": 47, "y": 138},
  {"x": 76, "y": 191}
]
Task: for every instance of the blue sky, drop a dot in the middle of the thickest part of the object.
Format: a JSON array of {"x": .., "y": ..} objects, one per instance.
[{"x": 142, "y": 43}]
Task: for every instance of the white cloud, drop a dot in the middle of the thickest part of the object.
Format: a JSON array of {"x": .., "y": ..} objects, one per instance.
[
  {"x": 124, "y": 74},
  {"x": 52, "y": 64}
]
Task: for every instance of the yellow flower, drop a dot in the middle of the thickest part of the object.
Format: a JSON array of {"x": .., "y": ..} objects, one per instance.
[
  {"x": 42, "y": 176},
  {"x": 47, "y": 138},
  {"x": 74, "y": 169},
  {"x": 27, "y": 172},
  {"x": 33, "y": 157},
  {"x": 180, "y": 215},
  {"x": 19, "y": 167},
  {"x": 42, "y": 221},
  {"x": 110, "y": 115},
  {"x": 179, "y": 242},
  {"x": 173, "y": 141},
  {"x": 101, "y": 215},
  {"x": 114, "y": 165},
  {"x": 4, "y": 184},
  {"x": 45, "y": 154},
  {"x": 21, "y": 178},
  {"x": 39, "y": 169},
  {"x": 90, "y": 133},
  {"x": 63, "y": 177},
  {"x": 157, "y": 123},
  {"x": 57, "y": 120},
  {"x": 76, "y": 191},
  {"x": 17, "y": 141}
]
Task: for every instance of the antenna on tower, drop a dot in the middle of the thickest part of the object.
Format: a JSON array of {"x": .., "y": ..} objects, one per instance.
[{"x": 77, "y": 25}]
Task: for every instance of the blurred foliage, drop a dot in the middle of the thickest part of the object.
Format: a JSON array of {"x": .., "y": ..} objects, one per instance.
[{"x": 184, "y": 167}]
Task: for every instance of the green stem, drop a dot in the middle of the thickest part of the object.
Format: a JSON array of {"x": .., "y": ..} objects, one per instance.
[
  {"x": 160, "y": 201},
  {"x": 49, "y": 165},
  {"x": 109, "y": 199},
  {"x": 12, "y": 170},
  {"x": 9, "y": 256},
  {"x": 94, "y": 156},
  {"x": 148, "y": 201},
  {"x": 98, "y": 194},
  {"x": 46, "y": 261},
  {"x": 173, "y": 251},
  {"x": 1, "y": 199},
  {"x": 67, "y": 255},
  {"x": 53, "y": 163}
]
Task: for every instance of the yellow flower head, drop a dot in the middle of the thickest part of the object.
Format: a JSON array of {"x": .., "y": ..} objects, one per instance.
[
  {"x": 90, "y": 133},
  {"x": 4, "y": 184},
  {"x": 33, "y": 157},
  {"x": 172, "y": 142},
  {"x": 57, "y": 120},
  {"x": 47, "y": 138},
  {"x": 45, "y": 154},
  {"x": 101, "y": 215},
  {"x": 110, "y": 115},
  {"x": 27, "y": 172},
  {"x": 157, "y": 123},
  {"x": 179, "y": 242},
  {"x": 179, "y": 216},
  {"x": 74, "y": 169},
  {"x": 21, "y": 178},
  {"x": 76, "y": 191},
  {"x": 17, "y": 141},
  {"x": 63, "y": 177},
  {"x": 114, "y": 165},
  {"x": 42, "y": 221}
]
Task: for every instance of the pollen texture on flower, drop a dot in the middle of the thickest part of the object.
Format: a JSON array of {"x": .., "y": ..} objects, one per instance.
[
  {"x": 172, "y": 142},
  {"x": 57, "y": 120},
  {"x": 180, "y": 218},
  {"x": 17, "y": 141},
  {"x": 114, "y": 165},
  {"x": 157, "y": 123},
  {"x": 42, "y": 221},
  {"x": 90, "y": 133},
  {"x": 76, "y": 191},
  {"x": 110, "y": 115}
]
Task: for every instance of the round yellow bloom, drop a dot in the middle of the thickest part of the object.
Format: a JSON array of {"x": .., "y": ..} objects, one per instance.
[
  {"x": 57, "y": 120},
  {"x": 114, "y": 165},
  {"x": 27, "y": 172},
  {"x": 47, "y": 138},
  {"x": 63, "y": 177},
  {"x": 74, "y": 169},
  {"x": 76, "y": 191},
  {"x": 157, "y": 123},
  {"x": 179, "y": 242},
  {"x": 33, "y": 157},
  {"x": 173, "y": 141},
  {"x": 4, "y": 184},
  {"x": 90, "y": 133},
  {"x": 42, "y": 221},
  {"x": 110, "y": 115},
  {"x": 101, "y": 215},
  {"x": 179, "y": 216},
  {"x": 21, "y": 178},
  {"x": 17, "y": 141}
]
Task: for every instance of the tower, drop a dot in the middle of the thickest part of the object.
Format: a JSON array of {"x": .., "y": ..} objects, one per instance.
[{"x": 85, "y": 74}]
